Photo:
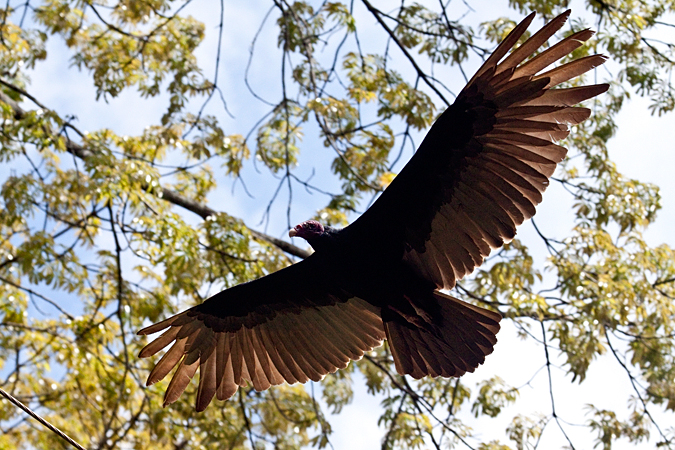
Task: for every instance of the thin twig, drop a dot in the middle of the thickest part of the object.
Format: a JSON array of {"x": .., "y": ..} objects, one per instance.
[
  {"x": 633, "y": 383},
  {"x": 34, "y": 415},
  {"x": 407, "y": 54},
  {"x": 550, "y": 386}
]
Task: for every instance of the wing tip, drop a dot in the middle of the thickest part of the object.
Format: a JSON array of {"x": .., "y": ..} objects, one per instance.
[
  {"x": 147, "y": 330},
  {"x": 177, "y": 319},
  {"x": 145, "y": 352}
]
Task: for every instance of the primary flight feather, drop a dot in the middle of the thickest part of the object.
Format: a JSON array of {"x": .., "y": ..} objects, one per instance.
[{"x": 479, "y": 173}]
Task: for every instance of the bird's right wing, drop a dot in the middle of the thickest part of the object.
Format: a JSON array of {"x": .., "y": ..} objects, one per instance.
[
  {"x": 291, "y": 326},
  {"x": 483, "y": 166}
]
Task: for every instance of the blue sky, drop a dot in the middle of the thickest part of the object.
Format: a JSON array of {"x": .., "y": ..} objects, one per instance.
[{"x": 642, "y": 149}]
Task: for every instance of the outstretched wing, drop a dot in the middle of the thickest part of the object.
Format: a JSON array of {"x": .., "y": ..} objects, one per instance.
[
  {"x": 291, "y": 326},
  {"x": 484, "y": 164}
]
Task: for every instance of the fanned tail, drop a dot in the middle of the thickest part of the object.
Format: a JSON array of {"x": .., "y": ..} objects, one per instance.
[{"x": 452, "y": 346}]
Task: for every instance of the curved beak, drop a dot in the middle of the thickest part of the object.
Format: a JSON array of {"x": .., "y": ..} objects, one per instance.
[{"x": 292, "y": 232}]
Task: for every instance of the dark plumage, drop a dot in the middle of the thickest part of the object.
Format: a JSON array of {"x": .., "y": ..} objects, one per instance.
[{"x": 478, "y": 174}]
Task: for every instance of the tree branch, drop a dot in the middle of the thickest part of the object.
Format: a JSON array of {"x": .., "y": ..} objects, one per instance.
[
  {"x": 375, "y": 12},
  {"x": 34, "y": 415},
  {"x": 167, "y": 194}
]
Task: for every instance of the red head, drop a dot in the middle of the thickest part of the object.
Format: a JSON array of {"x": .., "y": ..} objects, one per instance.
[{"x": 308, "y": 230}]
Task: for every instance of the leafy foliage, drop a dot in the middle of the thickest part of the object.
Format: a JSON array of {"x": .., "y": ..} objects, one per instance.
[{"x": 96, "y": 240}]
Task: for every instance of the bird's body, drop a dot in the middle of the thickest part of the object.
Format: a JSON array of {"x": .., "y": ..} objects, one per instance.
[{"x": 478, "y": 174}]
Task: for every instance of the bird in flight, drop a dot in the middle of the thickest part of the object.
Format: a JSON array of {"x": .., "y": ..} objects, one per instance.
[{"x": 479, "y": 173}]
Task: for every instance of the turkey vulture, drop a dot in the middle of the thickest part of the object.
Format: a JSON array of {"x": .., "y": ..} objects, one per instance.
[{"x": 479, "y": 173}]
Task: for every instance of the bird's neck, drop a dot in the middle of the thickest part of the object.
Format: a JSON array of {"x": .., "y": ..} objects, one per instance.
[{"x": 328, "y": 240}]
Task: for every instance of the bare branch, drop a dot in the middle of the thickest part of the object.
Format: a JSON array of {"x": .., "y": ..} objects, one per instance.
[
  {"x": 407, "y": 54},
  {"x": 37, "y": 417},
  {"x": 167, "y": 194}
]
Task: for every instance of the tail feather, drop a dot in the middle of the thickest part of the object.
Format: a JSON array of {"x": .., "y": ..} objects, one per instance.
[{"x": 450, "y": 347}]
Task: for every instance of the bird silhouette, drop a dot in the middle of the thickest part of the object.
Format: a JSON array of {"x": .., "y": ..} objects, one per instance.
[{"x": 479, "y": 173}]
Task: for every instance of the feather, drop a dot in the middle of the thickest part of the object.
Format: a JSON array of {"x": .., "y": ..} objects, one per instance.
[
  {"x": 533, "y": 43},
  {"x": 555, "y": 114},
  {"x": 539, "y": 163},
  {"x": 265, "y": 376},
  {"x": 350, "y": 330},
  {"x": 165, "y": 339},
  {"x": 466, "y": 252},
  {"x": 503, "y": 47},
  {"x": 273, "y": 352},
  {"x": 491, "y": 217},
  {"x": 236, "y": 358},
  {"x": 554, "y": 53},
  {"x": 520, "y": 94},
  {"x": 268, "y": 364},
  {"x": 327, "y": 348},
  {"x": 288, "y": 354},
  {"x": 167, "y": 362},
  {"x": 222, "y": 358},
  {"x": 308, "y": 351},
  {"x": 565, "y": 97},
  {"x": 399, "y": 348},
  {"x": 180, "y": 380},
  {"x": 248, "y": 356},
  {"x": 207, "y": 381},
  {"x": 338, "y": 334},
  {"x": 526, "y": 189},
  {"x": 571, "y": 70},
  {"x": 226, "y": 386},
  {"x": 177, "y": 320}
]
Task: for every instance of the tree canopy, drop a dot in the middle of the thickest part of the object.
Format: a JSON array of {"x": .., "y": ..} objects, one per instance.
[{"x": 105, "y": 231}]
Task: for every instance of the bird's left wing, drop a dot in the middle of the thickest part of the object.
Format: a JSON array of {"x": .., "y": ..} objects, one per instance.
[
  {"x": 484, "y": 164},
  {"x": 291, "y": 326}
]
